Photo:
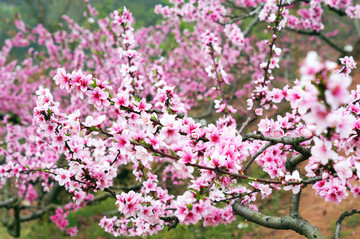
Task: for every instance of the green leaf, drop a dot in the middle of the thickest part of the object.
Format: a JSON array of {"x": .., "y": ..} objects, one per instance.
[
  {"x": 94, "y": 85},
  {"x": 110, "y": 95},
  {"x": 217, "y": 184},
  {"x": 137, "y": 98},
  {"x": 143, "y": 143},
  {"x": 170, "y": 111},
  {"x": 153, "y": 117},
  {"x": 97, "y": 52},
  {"x": 173, "y": 153}
]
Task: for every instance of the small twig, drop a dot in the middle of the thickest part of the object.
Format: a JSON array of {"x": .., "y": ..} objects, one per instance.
[
  {"x": 116, "y": 158},
  {"x": 243, "y": 126},
  {"x": 246, "y": 167}
]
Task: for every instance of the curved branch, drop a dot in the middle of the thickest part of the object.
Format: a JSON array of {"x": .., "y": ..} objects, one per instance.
[
  {"x": 246, "y": 167},
  {"x": 291, "y": 163},
  {"x": 8, "y": 202},
  {"x": 38, "y": 213},
  {"x": 294, "y": 142},
  {"x": 322, "y": 37},
  {"x": 288, "y": 222},
  {"x": 341, "y": 218}
]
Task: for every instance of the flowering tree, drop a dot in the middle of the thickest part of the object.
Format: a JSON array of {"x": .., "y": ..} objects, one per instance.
[{"x": 85, "y": 104}]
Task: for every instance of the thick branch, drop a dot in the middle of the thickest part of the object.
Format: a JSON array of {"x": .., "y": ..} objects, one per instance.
[
  {"x": 288, "y": 222},
  {"x": 341, "y": 218},
  {"x": 294, "y": 142},
  {"x": 295, "y": 203},
  {"x": 291, "y": 163},
  {"x": 171, "y": 221},
  {"x": 38, "y": 213},
  {"x": 8, "y": 202}
]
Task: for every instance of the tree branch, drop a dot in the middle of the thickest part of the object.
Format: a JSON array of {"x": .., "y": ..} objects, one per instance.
[
  {"x": 322, "y": 37},
  {"x": 288, "y": 222},
  {"x": 341, "y": 218},
  {"x": 172, "y": 221},
  {"x": 291, "y": 163},
  {"x": 246, "y": 167},
  {"x": 8, "y": 202},
  {"x": 295, "y": 203},
  {"x": 294, "y": 142}
]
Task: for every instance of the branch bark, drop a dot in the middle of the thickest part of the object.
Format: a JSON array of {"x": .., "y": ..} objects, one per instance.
[
  {"x": 341, "y": 218},
  {"x": 294, "y": 142},
  {"x": 287, "y": 222},
  {"x": 246, "y": 167},
  {"x": 322, "y": 37},
  {"x": 295, "y": 203}
]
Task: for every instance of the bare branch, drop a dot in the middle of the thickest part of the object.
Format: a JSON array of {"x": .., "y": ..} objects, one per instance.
[
  {"x": 8, "y": 202},
  {"x": 251, "y": 26},
  {"x": 341, "y": 218},
  {"x": 38, "y": 213},
  {"x": 261, "y": 180},
  {"x": 295, "y": 203},
  {"x": 245, "y": 124},
  {"x": 322, "y": 37},
  {"x": 291, "y": 163},
  {"x": 171, "y": 220},
  {"x": 294, "y": 142},
  {"x": 246, "y": 167},
  {"x": 288, "y": 222}
]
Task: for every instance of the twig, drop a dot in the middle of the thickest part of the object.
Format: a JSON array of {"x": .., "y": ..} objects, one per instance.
[{"x": 246, "y": 167}]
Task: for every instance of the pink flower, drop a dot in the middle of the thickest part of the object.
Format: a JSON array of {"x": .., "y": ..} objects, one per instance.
[
  {"x": 187, "y": 156},
  {"x": 98, "y": 97},
  {"x": 343, "y": 170},
  {"x": 322, "y": 151},
  {"x": 63, "y": 79},
  {"x": 72, "y": 231},
  {"x": 129, "y": 203},
  {"x": 122, "y": 99},
  {"x": 337, "y": 93},
  {"x": 63, "y": 177},
  {"x": 348, "y": 61}
]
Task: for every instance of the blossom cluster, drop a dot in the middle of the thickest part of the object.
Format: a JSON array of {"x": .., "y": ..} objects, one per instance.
[{"x": 127, "y": 104}]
